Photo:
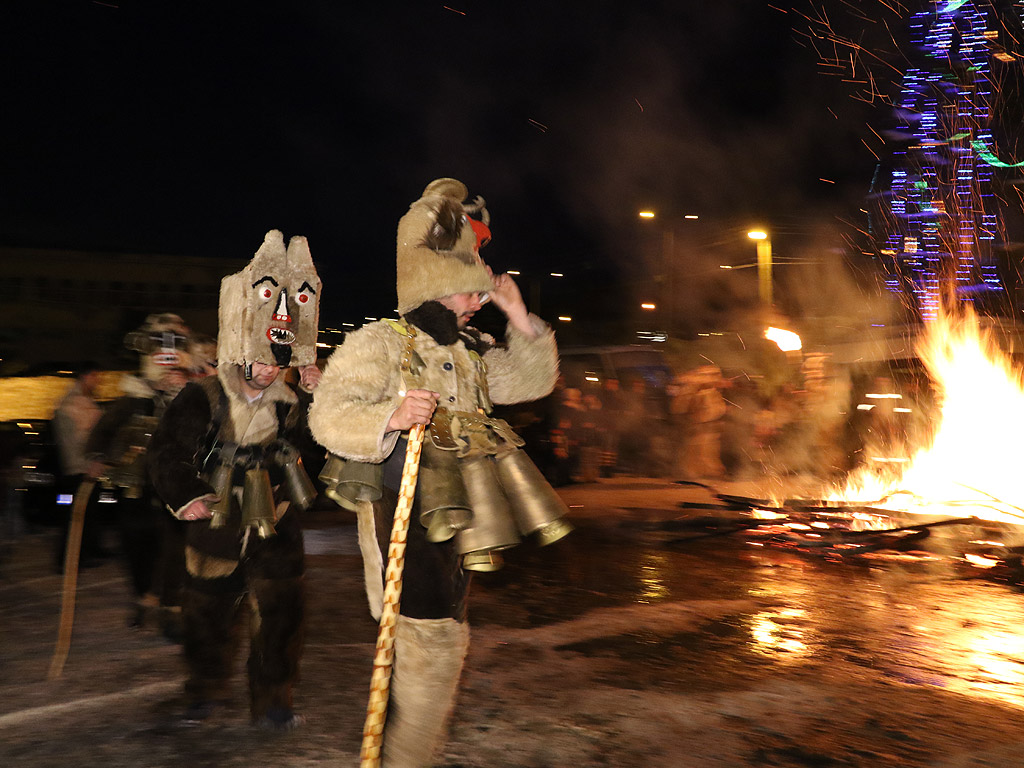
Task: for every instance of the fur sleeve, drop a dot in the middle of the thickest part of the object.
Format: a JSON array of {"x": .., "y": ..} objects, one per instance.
[
  {"x": 173, "y": 456},
  {"x": 527, "y": 369},
  {"x": 357, "y": 395}
]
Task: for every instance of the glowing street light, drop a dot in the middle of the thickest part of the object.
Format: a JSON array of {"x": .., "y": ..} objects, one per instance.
[
  {"x": 764, "y": 264},
  {"x": 668, "y": 270},
  {"x": 648, "y": 305},
  {"x": 787, "y": 341}
]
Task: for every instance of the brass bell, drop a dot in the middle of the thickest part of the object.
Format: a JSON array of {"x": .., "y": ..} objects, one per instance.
[
  {"x": 483, "y": 562},
  {"x": 330, "y": 474},
  {"x": 297, "y": 485},
  {"x": 347, "y": 483},
  {"x": 535, "y": 505},
  {"x": 493, "y": 527},
  {"x": 258, "y": 506},
  {"x": 444, "y": 504},
  {"x": 221, "y": 482}
]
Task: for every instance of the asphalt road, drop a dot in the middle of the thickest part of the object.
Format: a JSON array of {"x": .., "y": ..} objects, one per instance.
[{"x": 626, "y": 644}]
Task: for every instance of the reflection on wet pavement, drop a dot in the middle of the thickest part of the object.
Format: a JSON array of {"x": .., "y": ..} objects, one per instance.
[{"x": 920, "y": 623}]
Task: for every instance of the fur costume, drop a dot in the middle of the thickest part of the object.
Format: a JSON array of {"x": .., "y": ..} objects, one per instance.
[
  {"x": 363, "y": 384},
  {"x": 252, "y": 548}
]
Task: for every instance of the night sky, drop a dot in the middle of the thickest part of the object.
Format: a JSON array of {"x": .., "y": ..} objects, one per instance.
[{"x": 194, "y": 127}]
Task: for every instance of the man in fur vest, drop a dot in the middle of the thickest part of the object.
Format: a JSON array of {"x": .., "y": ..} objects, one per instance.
[
  {"x": 225, "y": 460},
  {"x": 431, "y": 367}
]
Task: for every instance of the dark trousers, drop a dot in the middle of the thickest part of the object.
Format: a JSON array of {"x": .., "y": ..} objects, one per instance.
[{"x": 434, "y": 586}]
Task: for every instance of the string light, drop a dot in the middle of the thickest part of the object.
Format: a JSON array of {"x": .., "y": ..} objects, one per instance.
[{"x": 942, "y": 216}]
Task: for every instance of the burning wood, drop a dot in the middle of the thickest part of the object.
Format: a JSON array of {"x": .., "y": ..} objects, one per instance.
[{"x": 961, "y": 480}]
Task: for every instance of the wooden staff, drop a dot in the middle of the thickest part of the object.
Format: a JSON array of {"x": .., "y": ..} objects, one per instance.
[
  {"x": 71, "y": 552},
  {"x": 380, "y": 683}
]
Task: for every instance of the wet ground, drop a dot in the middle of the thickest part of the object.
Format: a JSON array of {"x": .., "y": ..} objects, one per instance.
[{"x": 622, "y": 645}]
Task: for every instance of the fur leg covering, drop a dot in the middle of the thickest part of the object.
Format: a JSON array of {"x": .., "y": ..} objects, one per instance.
[
  {"x": 428, "y": 662},
  {"x": 210, "y": 621},
  {"x": 373, "y": 559},
  {"x": 276, "y": 627}
]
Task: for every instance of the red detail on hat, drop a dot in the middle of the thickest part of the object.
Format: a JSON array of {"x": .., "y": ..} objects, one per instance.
[{"x": 482, "y": 231}]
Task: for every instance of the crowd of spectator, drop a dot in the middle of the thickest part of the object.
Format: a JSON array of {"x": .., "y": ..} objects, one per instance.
[{"x": 701, "y": 426}]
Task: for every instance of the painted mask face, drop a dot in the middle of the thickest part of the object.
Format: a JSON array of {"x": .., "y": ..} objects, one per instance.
[
  {"x": 269, "y": 311},
  {"x": 162, "y": 346}
]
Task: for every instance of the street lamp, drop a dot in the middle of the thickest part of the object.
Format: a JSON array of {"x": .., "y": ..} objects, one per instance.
[
  {"x": 668, "y": 247},
  {"x": 764, "y": 265}
]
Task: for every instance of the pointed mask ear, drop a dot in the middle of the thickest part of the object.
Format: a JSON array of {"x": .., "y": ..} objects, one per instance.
[{"x": 298, "y": 254}]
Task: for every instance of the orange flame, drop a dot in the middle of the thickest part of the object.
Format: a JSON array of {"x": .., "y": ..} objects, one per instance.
[{"x": 970, "y": 464}]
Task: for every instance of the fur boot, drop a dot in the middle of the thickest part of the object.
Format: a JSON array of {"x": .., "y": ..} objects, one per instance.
[{"x": 428, "y": 662}]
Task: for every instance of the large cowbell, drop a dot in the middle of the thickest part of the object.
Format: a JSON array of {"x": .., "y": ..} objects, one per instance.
[
  {"x": 509, "y": 498},
  {"x": 270, "y": 310}
]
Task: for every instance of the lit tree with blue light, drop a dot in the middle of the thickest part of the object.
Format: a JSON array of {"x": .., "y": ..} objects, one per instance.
[{"x": 935, "y": 217}]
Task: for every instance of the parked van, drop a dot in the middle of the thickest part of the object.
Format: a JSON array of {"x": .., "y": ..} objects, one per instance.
[{"x": 588, "y": 367}]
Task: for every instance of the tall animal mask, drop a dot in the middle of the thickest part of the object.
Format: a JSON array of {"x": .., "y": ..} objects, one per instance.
[{"x": 269, "y": 311}]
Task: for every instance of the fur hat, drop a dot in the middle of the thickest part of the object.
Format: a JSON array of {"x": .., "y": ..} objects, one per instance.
[
  {"x": 270, "y": 310},
  {"x": 438, "y": 246}
]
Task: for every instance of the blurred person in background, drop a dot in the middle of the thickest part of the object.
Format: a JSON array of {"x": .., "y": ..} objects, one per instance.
[
  {"x": 73, "y": 421},
  {"x": 565, "y": 436},
  {"x": 705, "y": 411},
  {"x": 611, "y": 426},
  {"x": 635, "y": 439},
  {"x": 202, "y": 353},
  {"x": 119, "y": 443},
  {"x": 591, "y": 425}
]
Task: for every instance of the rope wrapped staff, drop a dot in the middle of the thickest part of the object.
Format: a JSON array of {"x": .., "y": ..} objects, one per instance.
[
  {"x": 71, "y": 553},
  {"x": 380, "y": 683}
]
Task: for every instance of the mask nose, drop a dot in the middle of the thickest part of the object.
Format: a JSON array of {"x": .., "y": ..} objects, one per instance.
[{"x": 281, "y": 314}]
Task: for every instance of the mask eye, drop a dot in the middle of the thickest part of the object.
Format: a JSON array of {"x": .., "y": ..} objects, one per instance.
[
  {"x": 265, "y": 293},
  {"x": 305, "y": 296}
]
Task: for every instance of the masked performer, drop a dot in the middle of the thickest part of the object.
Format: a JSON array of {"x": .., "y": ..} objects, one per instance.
[
  {"x": 120, "y": 442},
  {"x": 477, "y": 491},
  {"x": 225, "y": 459}
]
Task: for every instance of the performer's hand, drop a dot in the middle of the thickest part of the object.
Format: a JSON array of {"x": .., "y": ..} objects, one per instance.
[
  {"x": 416, "y": 408},
  {"x": 505, "y": 293},
  {"x": 309, "y": 377},
  {"x": 197, "y": 510},
  {"x": 96, "y": 469},
  {"x": 506, "y": 296}
]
